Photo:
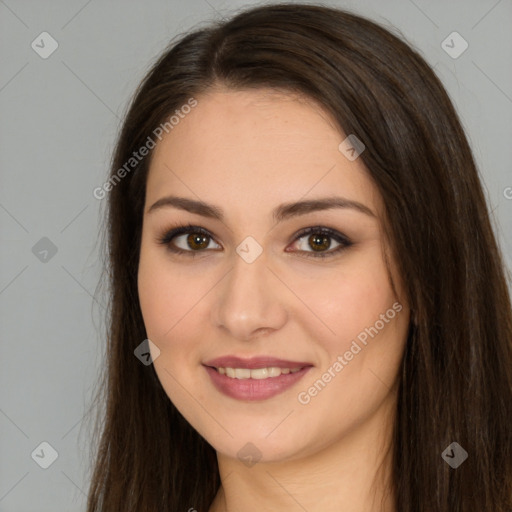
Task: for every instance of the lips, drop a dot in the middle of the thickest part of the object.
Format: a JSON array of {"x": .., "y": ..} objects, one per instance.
[{"x": 247, "y": 386}]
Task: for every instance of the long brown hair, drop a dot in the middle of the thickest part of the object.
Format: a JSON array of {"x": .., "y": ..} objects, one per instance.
[{"x": 455, "y": 383}]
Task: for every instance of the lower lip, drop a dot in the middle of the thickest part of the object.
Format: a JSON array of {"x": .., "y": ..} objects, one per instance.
[{"x": 254, "y": 389}]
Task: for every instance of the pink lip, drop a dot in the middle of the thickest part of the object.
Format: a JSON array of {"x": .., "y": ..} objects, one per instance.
[{"x": 254, "y": 389}]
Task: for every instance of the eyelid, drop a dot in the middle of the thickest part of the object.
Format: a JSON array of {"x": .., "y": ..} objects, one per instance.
[{"x": 181, "y": 229}]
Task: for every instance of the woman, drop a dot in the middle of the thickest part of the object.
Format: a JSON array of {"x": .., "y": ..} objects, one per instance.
[{"x": 299, "y": 243}]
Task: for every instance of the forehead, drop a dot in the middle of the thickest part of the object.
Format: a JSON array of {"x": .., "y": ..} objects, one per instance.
[{"x": 256, "y": 147}]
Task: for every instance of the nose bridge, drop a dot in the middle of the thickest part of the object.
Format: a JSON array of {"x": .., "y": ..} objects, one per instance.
[{"x": 248, "y": 301}]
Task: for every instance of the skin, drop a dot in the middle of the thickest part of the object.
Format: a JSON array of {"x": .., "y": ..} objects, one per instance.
[{"x": 247, "y": 152}]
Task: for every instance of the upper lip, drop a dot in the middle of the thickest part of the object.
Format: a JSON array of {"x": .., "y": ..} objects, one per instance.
[{"x": 254, "y": 362}]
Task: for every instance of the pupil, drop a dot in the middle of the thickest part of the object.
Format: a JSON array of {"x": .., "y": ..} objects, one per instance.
[{"x": 320, "y": 242}]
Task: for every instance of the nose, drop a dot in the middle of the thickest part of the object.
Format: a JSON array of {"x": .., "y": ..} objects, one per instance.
[{"x": 249, "y": 301}]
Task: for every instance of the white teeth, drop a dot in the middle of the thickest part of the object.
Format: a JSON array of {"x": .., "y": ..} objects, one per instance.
[
  {"x": 257, "y": 373},
  {"x": 242, "y": 373}
]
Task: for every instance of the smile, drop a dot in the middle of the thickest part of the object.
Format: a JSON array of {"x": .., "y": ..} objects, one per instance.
[
  {"x": 258, "y": 378},
  {"x": 259, "y": 373}
]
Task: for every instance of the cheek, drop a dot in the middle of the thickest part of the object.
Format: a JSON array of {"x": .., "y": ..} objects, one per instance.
[
  {"x": 167, "y": 309},
  {"x": 348, "y": 301},
  {"x": 174, "y": 306},
  {"x": 359, "y": 362},
  {"x": 165, "y": 295},
  {"x": 155, "y": 297}
]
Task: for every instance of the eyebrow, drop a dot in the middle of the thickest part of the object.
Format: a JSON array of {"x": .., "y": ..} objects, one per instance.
[{"x": 280, "y": 213}]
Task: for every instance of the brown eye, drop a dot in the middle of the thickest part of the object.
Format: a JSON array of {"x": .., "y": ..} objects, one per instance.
[
  {"x": 317, "y": 241},
  {"x": 187, "y": 240},
  {"x": 192, "y": 241}
]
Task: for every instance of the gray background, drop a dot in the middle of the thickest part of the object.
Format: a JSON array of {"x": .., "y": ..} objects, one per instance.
[{"x": 59, "y": 117}]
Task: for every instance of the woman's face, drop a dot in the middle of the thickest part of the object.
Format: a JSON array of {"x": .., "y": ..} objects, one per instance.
[{"x": 316, "y": 309}]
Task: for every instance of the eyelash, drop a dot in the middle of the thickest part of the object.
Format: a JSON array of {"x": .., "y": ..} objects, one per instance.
[{"x": 169, "y": 235}]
